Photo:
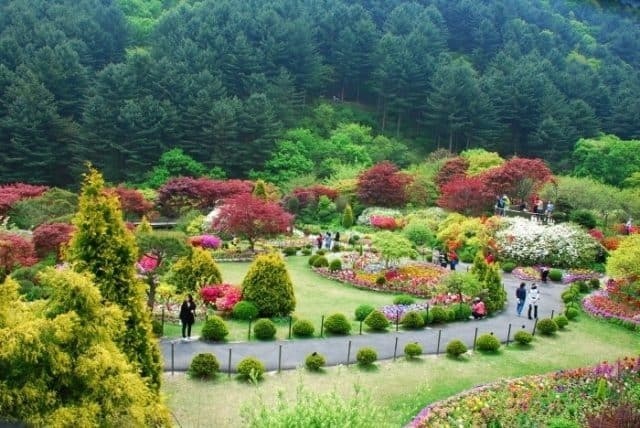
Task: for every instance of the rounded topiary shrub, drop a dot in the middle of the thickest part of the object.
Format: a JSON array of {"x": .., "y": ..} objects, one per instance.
[
  {"x": 412, "y": 350},
  {"x": 366, "y": 356},
  {"x": 427, "y": 316},
  {"x": 335, "y": 265},
  {"x": 523, "y": 337},
  {"x": 561, "y": 321},
  {"x": 251, "y": 368},
  {"x": 455, "y": 348},
  {"x": 547, "y": 326},
  {"x": 264, "y": 329},
  {"x": 508, "y": 267},
  {"x": 438, "y": 314},
  {"x": 314, "y": 362},
  {"x": 204, "y": 366},
  {"x": 303, "y": 328},
  {"x": 571, "y": 313},
  {"x": 363, "y": 311},
  {"x": 555, "y": 275},
  {"x": 337, "y": 324},
  {"x": 376, "y": 321},
  {"x": 487, "y": 343},
  {"x": 594, "y": 283},
  {"x": 290, "y": 251},
  {"x": 268, "y": 285},
  {"x": 381, "y": 280},
  {"x": 214, "y": 329},
  {"x": 306, "y": 251},
  {"x": 321, "y": 262},
  {"x": 244, "y": 310},
  {"x": 568, "y": 296},
  {"x": 412, "y": 320},
  {"x": 583, "y": 286},
  {"x": 462, "y": 312},
  {"x": 404, "y": 299},
  {"x": 321, "y": 252},
  {"x": 313, "y": 259}
]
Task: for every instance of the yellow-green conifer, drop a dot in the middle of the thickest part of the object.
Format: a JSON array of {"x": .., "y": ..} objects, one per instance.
[{"x": 268, "y": 285}]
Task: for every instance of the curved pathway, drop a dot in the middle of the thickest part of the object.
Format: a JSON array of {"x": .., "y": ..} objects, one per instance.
[{"x": 289, "y": 354}]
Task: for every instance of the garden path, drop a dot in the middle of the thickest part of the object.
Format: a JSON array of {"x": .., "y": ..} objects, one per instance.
[{"x": 292, "y": 353}]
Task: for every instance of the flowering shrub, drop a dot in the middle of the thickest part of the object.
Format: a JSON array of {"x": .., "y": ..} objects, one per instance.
[
  {"x": 393, "y": 312},
  {"x": 384, "y": 222},
  {"x": 535, "y": 400},
  {"x": 620, "y": 300},
  {"x": 530, "y": 243},
  {"x": 148, "y": 263},
  {"x": 49, "y": 238},
  {"x": 573, "y": 275},
  {"x": 12, "y": 193},
  {"x": 206, "y": 241},
  {"x": 15, "y": 251},
  {"x": 365, "y": 217},
  {"x": 611, "y": 243},
  {"x": 222, "y": 297},
  {"x": 596, "y": 234},
  {"x": 529, "y": 273}
]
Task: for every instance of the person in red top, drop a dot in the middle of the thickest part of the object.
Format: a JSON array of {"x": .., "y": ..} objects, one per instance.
[
  {"x": 477, "y": 309},
  {"x": 489, "y": 258}
]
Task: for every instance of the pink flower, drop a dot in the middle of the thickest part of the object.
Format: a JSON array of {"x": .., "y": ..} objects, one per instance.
[{"x": 147, "y": 263}]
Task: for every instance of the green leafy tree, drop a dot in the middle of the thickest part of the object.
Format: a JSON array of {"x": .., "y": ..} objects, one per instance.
[
  {"x": 174, "y": 163},
  {"x": 194, "y": 270},
  {"x": 607, "y": 158},
  {"x": 480, "y": 160},
  {"x": 393, "y": 246},
  {"x": 102, "y": 246},
  {"x": 624, "y": 262},
  {"x": 268, "y": 285}
]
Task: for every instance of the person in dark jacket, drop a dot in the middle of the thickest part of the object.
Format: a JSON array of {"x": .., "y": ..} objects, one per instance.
[
  {"x": 521, "y": 295},
  {"x": 187, "y": 316}
]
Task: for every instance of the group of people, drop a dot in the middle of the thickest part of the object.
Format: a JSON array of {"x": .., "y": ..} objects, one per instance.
[
  {"x": 530, "y": 297},
  {"x": 446, "y": 258},
  {"x": 540, "y": 209},
  {"x": 327, "y": 241}
]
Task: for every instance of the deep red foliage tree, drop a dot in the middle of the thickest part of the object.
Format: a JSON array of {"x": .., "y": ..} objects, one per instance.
[
  {"x": 311, "y": 194},
  {"x": 49, "y": 238},
  {"x": 453, "y": 168},
  {"x": 12, "y": 193},
  {"x": 15, "y": 251},
  {"x": 518, "y": 178},
  {"x": 468, "y": 195},
  {"x": 249, "y": 217},
  {"x": 383, "y": 185},
  {"x": 184, "y": 193},
  {"x": 132, "y": 201}
]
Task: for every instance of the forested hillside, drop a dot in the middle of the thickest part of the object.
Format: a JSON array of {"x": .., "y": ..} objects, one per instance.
[{"x": 121, "y": 82}]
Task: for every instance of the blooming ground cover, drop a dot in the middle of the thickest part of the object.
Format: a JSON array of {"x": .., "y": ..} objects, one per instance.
[
  {"x": 576, "y": 395},
  {"x": 620, "y": 300}
]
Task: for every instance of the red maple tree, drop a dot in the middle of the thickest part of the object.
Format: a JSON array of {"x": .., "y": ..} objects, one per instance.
[
  {"x": 249, "y": 217},
  {"x": 453, "y": 168},
  {"x": 132, "y": 201},
  {"x": 383, "y": 185},
  {"x": 308, "y": 195},
  {"x": 15, "y": 251},
  {"x": 12, "y": 193},
  {"x": 49, "y": 238},
  {"x": 518, "y": 178},
  {"x": 468, "y": 195}
]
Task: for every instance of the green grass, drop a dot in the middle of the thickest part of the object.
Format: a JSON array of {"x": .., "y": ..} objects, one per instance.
[
  {"x": 315, "y": 296},
  {"x": 403, "y": 388}
]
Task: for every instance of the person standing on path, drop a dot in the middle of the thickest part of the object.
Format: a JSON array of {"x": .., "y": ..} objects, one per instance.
[
  {"x": 521, "y": 295},
  {"x": 534, "y": 299},
  {"x": 187, "y": 316}
]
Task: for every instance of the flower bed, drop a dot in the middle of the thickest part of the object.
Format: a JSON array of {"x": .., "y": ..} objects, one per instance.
[
  {"x": 617, "y": 301},
  {"x": 527, "y": 273},
  {"x": 573, "y": 275},
  {"x": 574, "y": 395},
  {"x": 417, "y": 279}
]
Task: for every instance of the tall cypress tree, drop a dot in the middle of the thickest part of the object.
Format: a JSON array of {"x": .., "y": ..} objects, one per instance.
[{"x": 104, "y": 247}]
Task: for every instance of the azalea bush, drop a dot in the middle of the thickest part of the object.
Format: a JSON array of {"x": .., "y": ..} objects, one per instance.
[
  {"x": 385, "y": 222},
  {"x": 206, "y": 241},
  {"x": 365, "y": 217},
  {"x": 222, "y": 297},
  {"x": 560, "y": 245},
  {"x": 619, "y": 301},
  {"x": 569, "y": 395}
]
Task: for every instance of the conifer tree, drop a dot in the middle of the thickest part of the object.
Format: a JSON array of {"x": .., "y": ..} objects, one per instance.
[
  {"x": 260, "y": 190},
  {"x": 103, "y": 247},
  {"x": 479, "y": 267},
  {"x": 496, "y": 294},
  {"x": 268, "y": 285},
  {"x": 194, "y": 270},
  {"x": 347, "y": 217}
]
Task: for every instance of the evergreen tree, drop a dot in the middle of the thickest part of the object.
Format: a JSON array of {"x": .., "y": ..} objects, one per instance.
[
  {"x": 196, "y": 269},
  {"x": 347, "y": 217},
  {"x": 268, "y": 285},
  {"x": 496, "y": 295},
  {"x": 102, "y": 246}
]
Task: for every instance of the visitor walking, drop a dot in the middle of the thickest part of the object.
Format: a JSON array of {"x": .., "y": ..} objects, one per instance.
[
  {"x": 187, "y": 316},
  {"x": 327, "y": 240},
  {"x": 453, "y": 259},
  {"x": 544, "y": 274},
  {"x": 319, "y": 241},
  {"x": 534, "y": 299},
  {"x": 521, "y": 295}
]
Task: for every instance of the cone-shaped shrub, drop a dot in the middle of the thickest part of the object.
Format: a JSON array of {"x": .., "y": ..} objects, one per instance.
[
  {"x": 347, "y": 217},
  {"x": 196, "y": 269},
  {"x": 268, "y": 285}
]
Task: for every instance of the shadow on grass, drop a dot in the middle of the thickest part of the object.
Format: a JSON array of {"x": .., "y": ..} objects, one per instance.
[
  {"x": 369, "y": 368},
  {"x": 518, "y": 347},
  {"x": 460, "y": 359},
  {"x": 414, "y": 360}
]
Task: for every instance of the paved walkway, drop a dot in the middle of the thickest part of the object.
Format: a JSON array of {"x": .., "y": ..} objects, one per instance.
[{"x": 289, "y": 354}]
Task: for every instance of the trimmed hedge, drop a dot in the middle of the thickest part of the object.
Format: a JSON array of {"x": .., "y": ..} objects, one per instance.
[{"x": 412, "y": 320}]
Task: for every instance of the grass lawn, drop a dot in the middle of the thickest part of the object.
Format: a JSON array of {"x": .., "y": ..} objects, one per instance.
[
  {"x": 315, "y": 296},
  {"x": 402, "y": 388}
]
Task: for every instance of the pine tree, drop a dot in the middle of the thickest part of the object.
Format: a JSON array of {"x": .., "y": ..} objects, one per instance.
[
  {"x": 479, "y": 267},
  {"x": 191, "y": 272},
  {"x": 260, "y": 191},
  {"x": 347, "y": 217},
  {"x": 496, "y": 294},
  {"x": 268, "y": 285},
  {"x": 104, "y": 247}
]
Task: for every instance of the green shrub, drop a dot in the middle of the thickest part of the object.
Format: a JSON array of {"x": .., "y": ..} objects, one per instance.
[
  {"x": 376, "y": 321},
  {"x": 321, "y": 262},
  {"x": 337, "y": 324},
  {"x": 584, "y": 218},
  {"x": 523, "y": 337},
  {"x": 404, "y": 299},
  {"x": 204, "y": 366},
  {"x": 450, "y": 314},
  {"x": 366, "y": 356},
  {"x": 244, "y": 310},
  {"x": 268, "y": 285},
  {"x": 438, "y": 314},
  {"x": 488, "y": 343},
  {"x": 251, "y": 368},
  {"x": 555, "y": 275},
  {"x": 313, "y": 259},
  {"x": 335, "y": 265},
  {"x": 462, "y": 312},
  {"x": 302, "y": 328},
  {"x": 321, "y": 252},
  {"x": 306, "y": 251},
  {"x": 574, "y": 305},
  {"x": 412, "y": 350},
  {"x": 290, "y": 251},
  {"x": 381, "y": 280},
  {"x": 214, "y": 329},
  {"x": 427, "y": 316},
  {"x": 508, "y": 266},
  {"x": 571, "y": 313},
  {"x": 563, "y": 423},
  {"x": 561, "y": 321},
  {"x": 363, "y": 311},
  {"x": 455, "y": 348},
  {"x": 594, "y": 283},
  {"x": 314, "y": 362},
  {"x": 157, "y": 328},
  {"x": 412, "y": 320},
  {"x": 568, "y": 296},
  {"x": 547, "y": 326},
  {"x": 583, "y": 286},
  {"x": 198, "y": 267},
  {"x": 336, "y": 248},
  {"x": 264, "y": 329}
]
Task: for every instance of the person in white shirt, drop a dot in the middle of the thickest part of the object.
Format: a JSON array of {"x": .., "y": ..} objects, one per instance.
[{"x": 534, "y": 299}]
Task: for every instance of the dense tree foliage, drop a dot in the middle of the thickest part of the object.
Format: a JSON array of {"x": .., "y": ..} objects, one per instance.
[{"x": 122, "y": 82}]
